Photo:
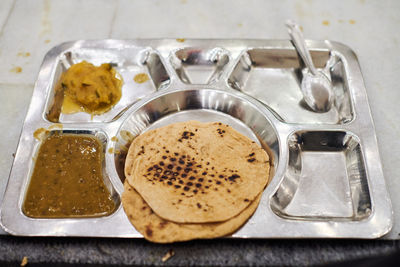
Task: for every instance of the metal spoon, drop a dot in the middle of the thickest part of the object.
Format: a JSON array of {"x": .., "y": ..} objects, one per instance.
[{"x": 315, "y": 86}]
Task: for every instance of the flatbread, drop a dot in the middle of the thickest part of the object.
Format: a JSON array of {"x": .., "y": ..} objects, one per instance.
[
  {"x": 193, "y": 172},
  {"x": 156, "y": 229}
]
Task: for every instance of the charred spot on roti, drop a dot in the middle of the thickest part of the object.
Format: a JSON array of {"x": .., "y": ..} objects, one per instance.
[
  {"x": 162, "y": 224},
  {"x": 149, "y": 231},
  {"x": 233, "y": 177}
]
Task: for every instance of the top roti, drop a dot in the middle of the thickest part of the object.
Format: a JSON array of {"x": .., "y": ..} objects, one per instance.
[{"x": 192, "y": 172}]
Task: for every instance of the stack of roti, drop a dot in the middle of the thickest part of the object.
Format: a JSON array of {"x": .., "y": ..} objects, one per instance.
[{"x": 192, "y": 180}]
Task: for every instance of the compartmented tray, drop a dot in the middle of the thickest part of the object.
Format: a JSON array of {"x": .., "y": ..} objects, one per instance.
[{"x": 327, "y": 179}]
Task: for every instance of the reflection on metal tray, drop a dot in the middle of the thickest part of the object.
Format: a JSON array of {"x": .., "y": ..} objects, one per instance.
[{"x": 327, "y": 179}]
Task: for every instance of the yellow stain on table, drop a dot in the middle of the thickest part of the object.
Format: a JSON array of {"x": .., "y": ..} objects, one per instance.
[
  {"x": 141, "y": 78},
  {"x": 240, "y": 25},
  {"x": 114, "y": 139},
  {"x": 47, "y": 41},
  {"x": 111, "y": 150},
  {"x": 352, "y": 21},
  {"x": 23, "y": 54},
  {"x": 180, "y": 40},
  {"x": 16, "y": 69},
  {"x": 325, "y": 23},
  {"x": 46, "y": 22}
]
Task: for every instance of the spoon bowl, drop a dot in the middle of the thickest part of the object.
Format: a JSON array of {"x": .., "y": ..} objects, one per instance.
[
  {"x": 315, "y": 86},
  {"x": 317, "y": 91}
]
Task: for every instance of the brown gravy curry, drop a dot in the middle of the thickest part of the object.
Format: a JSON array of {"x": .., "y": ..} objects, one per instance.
[{"x": 67, "y": 180}]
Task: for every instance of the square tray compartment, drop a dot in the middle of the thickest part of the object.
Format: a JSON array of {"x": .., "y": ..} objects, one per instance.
[
  {"x": 273, "y": 76},
  {"x": 325, "y": 178},
  {"x": 128, "y": 63},
  {"x": 106, "y": 179},
  {"x": 199, "y": 65}
]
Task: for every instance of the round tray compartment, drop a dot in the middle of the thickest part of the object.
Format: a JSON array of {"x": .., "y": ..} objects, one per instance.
[{"x": 206, "y": 105}]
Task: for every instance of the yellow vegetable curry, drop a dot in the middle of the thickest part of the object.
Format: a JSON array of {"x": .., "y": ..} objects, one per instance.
[{"x": 90, "y": 89}]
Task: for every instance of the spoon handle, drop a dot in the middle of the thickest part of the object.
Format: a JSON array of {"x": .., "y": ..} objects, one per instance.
[{"x": 300, "y": 44}]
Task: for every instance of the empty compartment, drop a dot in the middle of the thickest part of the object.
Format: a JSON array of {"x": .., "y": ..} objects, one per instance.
[
  {"x": 68, "y": 177},
  {"x": 198, "y": 65},
  {"x": 325, "y": 178},
  {"x": 273, "y": 76},
  {"x": 141, "y": 70}
]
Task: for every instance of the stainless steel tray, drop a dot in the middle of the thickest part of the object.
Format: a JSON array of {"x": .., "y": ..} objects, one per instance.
[{"x": 328, "y": 179}]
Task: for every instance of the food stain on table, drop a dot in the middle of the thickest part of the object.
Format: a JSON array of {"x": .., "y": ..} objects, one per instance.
[
  {"x": 23, "y": 54},
  {"x": 352, "y": 21},
  {"x": 325, "y": 22},
  {"x": 67, "y": 179},
  {"x": 180, "y": 40},
  {"x": 141, "y": 78},
  {"x": 16, "y": 69},
  {"x": 114, "y": 139},
  {"x": 46, "y": 22}
]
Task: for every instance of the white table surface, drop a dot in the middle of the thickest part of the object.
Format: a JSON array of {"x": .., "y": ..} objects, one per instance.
[{"x": 370, "y": 28}]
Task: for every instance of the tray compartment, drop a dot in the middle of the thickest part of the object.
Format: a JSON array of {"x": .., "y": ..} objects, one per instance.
[
  {"x": 203, "y": 105},
  {"x": 198, "y": 65},
  {"x": 325, "y": 178},
  {"x": 273, "y": 76},
  {"x": 128, "y": 62},
  {"x": 101, "y": 136}
]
